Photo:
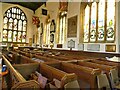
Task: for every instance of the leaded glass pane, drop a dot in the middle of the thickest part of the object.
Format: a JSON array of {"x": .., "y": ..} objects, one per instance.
[
  {"x": 19, "y": 37},
  {"x": 64, "y": 29},
  {"x": 15, "y": 24},
  {"x": 14, "y": 36},
  {"x": 86, "y": 24},
  {"x": 12, "y": 15},
  {"x": 17, "y": 11},
  {"x": 9, "y": 36},
  {"x": 20, "y": 25},
  {"x": 61, "y": 25},
  {"x": 4, "y": 35},
  {"x": 10, "y": 25},
  {"x": 22, "y": 14},
  {"x": 18, "y": 16},
  {"x": 24, "y": 26},
  {"x": 23, "y": 17},
  {"x": 101, "y": 18},
  {"x": 110, "y": 20},
  {"x": 9, "y": 15},
  {"x": 93, "y": 23},
  {"x": 5, "y": 23},
  {"x": 8, "y": 11},
  {"x": 24, "y": 37},
  {"x": 14, "y": 10},
  {"x": 48, "y": 33}
]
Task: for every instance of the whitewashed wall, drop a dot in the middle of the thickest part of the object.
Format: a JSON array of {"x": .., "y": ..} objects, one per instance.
[
  {"x": 1, "y": 22},
  {"x": 73, "y": 10},
  {"x": 118, "y": 27}
]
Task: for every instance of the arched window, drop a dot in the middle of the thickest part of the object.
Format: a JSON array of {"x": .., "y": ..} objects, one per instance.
[
  {"x": 47, "y": 30},
  {"x": 14, "y": 25},
  {"x": 99, "y": 21},
  {"x": 63, "y": 22},
  {"x": 48, "y": 33}
]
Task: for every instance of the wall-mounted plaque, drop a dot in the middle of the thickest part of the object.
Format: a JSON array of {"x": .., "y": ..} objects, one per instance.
[
  {"x": 81, "y": 47},
  {"x": 110, "y": 48},
  {"x": 93, "y": 47},
  {"x": 72, "y": 27},
  {"x": 71, "y": 44},
  {"x": 59, "y": 46}
]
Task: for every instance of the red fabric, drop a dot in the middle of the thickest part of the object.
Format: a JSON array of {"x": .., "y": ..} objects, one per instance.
[{"x": 35, "y": 20}]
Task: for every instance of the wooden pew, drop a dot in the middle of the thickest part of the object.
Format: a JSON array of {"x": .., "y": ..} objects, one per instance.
[
  {"x": 49, "y": 72},
  {"x": 84, "y": 53},
  {"x": 21, "y": 59},
  {"x": 85, "y": 75},
  {"x": 60, "y": 75},
  {"x": 18, "y": 59},
  {"x": 106, "y": 62},
  {"x": 105, "y": 68},
  {"x": 60, "y": 56},
  {"x": 16, "y": 80},
  {"x": 46, "y": 59}
]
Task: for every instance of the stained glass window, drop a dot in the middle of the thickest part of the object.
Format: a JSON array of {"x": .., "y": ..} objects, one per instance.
[
  {"x": 5, "y": 23},
  {"x": 86, "y": 24},
  {"x": 20, "y": 25},
  {"x": 24, "y": 25},
  {"x": 48, "y": 33},
  {"x": 93, "y": 23},
  {"x": 14, "y": 25},
  {"x": 62, "y": 21},
  {"x": 101, "y": 21},
  {"x": 9, "y": 36},
  {"x": 19, "y": 37},
  {"x": 63, "y": 17},
  {"x": 14, "y": 36},
  {"x": 24, "y": 37},
  {"x": 10, "y": 25},
  {"x": 4, "y": 35},
  {"x": 110, "y": 20}
]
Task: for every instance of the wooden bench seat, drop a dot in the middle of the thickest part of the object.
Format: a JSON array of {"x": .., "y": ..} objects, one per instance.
[
  {"x": 106, "y": 62},
  {"x": 53, "y": 73},
  {"x": 20, "y": 75},
  {"x": 85, "y": 74},
  {"x": 46, "y": 59},
  {"x": 49, "y": 72},
  {"x": 18, "y": 59},
  {"x": 104, "y": 68},
  {"x": 16, "y": 81},
  {"x": 62, "y": 57},
  {"x": 103, "y": 62}
]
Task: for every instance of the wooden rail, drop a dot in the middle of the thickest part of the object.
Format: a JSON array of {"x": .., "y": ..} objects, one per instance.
[{"x": 10, "y": 67}]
